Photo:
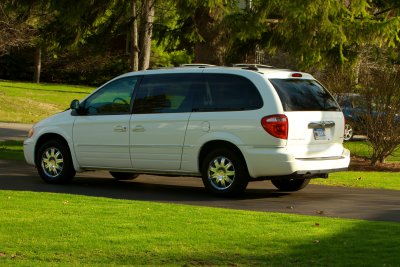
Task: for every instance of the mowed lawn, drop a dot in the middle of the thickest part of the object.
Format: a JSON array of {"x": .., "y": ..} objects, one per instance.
[
  {"x": 29, "y": 102},
  {"x": 47, "y": 229},
  {"x": 373, "y": 180}
]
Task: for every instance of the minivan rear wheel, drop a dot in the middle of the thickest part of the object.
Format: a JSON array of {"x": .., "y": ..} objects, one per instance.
[
  {"x": 54, "y": 162},
  {"x": 224, "y": 173},
  {"x": 290, "y": 184},
  {"x": 124, "y": 175}
]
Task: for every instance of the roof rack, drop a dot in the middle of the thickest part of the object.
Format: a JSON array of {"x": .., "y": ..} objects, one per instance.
[
  {"x": 253, "y": 66},
  {"x": 199, "y": 65}
]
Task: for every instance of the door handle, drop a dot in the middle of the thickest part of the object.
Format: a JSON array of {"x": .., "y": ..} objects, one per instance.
[
  {"x": 138, "y": 128},
  {"x": 120, "y": 128}
]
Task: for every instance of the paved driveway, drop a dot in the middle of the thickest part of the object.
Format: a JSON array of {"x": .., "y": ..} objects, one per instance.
[
  {"x": 13, "y": 131},
  {"x": 381, "y": 205}
]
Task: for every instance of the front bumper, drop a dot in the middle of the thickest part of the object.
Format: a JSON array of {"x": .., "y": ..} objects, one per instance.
[{"x": 29, "y": 151}]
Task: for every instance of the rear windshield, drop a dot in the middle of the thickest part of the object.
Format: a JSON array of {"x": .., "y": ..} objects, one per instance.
[{"x": 303, "y": 95}]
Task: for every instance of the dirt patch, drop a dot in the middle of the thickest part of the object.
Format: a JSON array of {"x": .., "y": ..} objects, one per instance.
[{"x": 362, "y": 164}]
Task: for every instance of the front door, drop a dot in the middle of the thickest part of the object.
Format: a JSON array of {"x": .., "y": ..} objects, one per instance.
[{"x": 101, "y": 132}]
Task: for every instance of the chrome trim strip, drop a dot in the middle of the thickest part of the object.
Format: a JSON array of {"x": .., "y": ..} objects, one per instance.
[
  {"x": 156, "y": 146},
  {"x": 321, "y": 158},
  {"x": 99, "y": 145},
  {"x": 135, "y": 146},
  {"x": 321, "y": 171},
  {"x": 153, "y": 172},
  {"x": 321, "y": 124}
]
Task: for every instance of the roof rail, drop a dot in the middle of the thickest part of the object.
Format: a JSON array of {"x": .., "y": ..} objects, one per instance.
[
  {"x": 252, "y": 66},
  {"x": 199, "y": 65}
]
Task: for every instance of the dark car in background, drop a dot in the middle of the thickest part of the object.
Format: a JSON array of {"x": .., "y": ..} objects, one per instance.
[{"x": 354, "y": 108}]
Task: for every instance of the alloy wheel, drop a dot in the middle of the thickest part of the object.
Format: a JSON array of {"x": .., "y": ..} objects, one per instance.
[
  {"x": 221, "y": 173},
  {"x": 52, "y": 162}
]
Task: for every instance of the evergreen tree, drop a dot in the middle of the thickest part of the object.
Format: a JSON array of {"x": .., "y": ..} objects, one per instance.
[{"x": 313, "y": 31}]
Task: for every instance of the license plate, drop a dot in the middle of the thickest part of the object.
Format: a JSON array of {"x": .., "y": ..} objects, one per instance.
[{"x": 320, "y": 134}]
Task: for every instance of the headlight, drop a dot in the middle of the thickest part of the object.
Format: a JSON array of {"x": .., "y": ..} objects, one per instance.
[{"x": 31, "y": 132}]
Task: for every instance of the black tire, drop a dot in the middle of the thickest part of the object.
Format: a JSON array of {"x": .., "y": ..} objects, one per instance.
[
  {"x": 348, "y": 132},
  {"x": 54, "y": 163},
  {"x": 233, "y": 177},
  {"x": 290, "y": 184},
  {"x": 124, "y": 175}
]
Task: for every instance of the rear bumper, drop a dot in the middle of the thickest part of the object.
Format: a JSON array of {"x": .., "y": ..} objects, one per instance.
[{"x": 268, "y": 162}]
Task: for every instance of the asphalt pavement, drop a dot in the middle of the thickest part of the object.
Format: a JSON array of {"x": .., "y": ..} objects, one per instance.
[
  {"x": 14, "y": 131},
  {"x": 367, "y": 204}
]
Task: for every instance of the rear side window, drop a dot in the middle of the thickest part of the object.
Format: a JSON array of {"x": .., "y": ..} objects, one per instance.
[
  {"x": 166, "y": 93},
  {"x": 227, "y": 92},
  {"x": 304, "y": 95}
]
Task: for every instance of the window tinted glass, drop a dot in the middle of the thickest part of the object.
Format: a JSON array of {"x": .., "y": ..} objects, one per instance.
[
  {"x": 166, "y": 93},
  {"x": 223, "y": 92},
  {"x": 303, "y": 95},
  {"x": 113, "y": 98}
]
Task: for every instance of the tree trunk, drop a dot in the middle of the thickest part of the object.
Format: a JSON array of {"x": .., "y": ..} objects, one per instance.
[
  {"x": 38, "y": 64},
  {"x": 134, "y": 50},
  {"x": 212, "y": 49},
  {"x": 146, "y": 30}
]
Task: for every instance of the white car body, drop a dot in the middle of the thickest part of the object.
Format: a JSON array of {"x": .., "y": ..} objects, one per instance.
[{"x": 171, "y": 143}]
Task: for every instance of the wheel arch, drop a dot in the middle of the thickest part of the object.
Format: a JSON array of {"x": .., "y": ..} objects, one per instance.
[
  {"x": 214, "y": 144},
  {"x": 55, "y": 136}
]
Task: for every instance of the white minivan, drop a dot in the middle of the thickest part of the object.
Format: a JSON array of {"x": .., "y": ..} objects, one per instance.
[{"x": 229, "y": 125}]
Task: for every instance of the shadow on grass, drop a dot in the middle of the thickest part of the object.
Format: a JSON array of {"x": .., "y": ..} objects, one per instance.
[{"x": 363, "y": 244}]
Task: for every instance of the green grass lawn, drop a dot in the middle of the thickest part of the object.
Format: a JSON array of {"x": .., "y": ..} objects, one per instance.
[
  {"x": 29, "y": 102},
  {"x": 11, "y": 150},
  {"x": 46, "y": 229},
  {"x": 364, "y": 150},
  {"x": 377, "y": 180}
]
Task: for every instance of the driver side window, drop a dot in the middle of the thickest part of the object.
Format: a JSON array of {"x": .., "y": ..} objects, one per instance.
[{"x": 113, "y": 99}]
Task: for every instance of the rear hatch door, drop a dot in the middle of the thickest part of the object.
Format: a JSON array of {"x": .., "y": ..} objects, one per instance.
[{"x": 316, "y": 123}]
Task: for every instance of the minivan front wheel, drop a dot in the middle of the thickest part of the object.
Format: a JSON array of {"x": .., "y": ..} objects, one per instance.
[
  {"x": 54, "y": 162},
  {"x": 224, "y": 173},
  {"x": 290, "y": 184}
]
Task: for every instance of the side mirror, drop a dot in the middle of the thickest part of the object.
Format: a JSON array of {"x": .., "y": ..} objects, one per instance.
[
  {"x": 76, "y": 108},
  {"x": 75, "y": 105}
]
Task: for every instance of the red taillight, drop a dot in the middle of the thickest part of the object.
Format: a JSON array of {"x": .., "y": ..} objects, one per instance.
[
  {"x": 276, "y": 125},
  {"x": 297, "y": 75}
]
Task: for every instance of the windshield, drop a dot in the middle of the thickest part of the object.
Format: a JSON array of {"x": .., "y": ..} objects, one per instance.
[{"x": 304, "y": 95}]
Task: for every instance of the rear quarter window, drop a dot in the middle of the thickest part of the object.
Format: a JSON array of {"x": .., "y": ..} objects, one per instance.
[
  {"x": 227, "y": 92},
  {"x": 304, "y": 95}
]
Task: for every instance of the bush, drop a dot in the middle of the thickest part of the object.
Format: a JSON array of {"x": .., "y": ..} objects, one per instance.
[{"x": 380, "y": 88}]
